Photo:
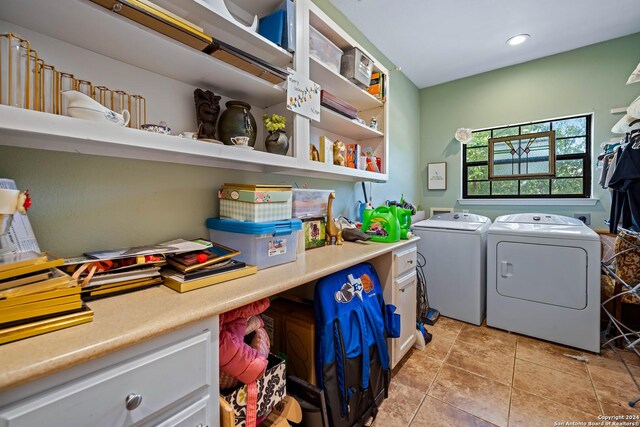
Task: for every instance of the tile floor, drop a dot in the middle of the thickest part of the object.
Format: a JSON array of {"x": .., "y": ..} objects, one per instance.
[{"x": 480, "y": 376}]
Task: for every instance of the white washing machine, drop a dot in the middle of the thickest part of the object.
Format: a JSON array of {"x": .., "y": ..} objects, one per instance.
[
  {"x": 543, "y": 279},
  {"x": 454, "y": 246}
]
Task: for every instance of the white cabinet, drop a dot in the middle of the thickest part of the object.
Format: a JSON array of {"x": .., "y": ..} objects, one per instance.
[
  {"x": 404, "y": 289},
  {"x": 397, "y": 274},
  {"x": 163, "y": 383}
]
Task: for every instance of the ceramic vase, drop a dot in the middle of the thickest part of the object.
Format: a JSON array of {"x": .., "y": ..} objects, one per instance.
[
  {"x": 277, "y": 142},
  {"x": 236, "y": 121}
]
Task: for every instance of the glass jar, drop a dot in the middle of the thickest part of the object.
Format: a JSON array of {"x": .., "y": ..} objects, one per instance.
[
  {"x": 48, "y": 88},
  {"x": 15, "y": 69}
]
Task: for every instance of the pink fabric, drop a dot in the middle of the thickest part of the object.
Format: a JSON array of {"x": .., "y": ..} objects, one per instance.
[
  {"x": 236, "y": 357},
  {"x": 252, "y": 405}
]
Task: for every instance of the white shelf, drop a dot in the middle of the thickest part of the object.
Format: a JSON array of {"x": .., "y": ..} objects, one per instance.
[
  {"x": 230, "y": 32},
  {"x": 97, "y": 29},
  {"x": 339, "y": 86},
  {"x": 337, "y": 123},
  {"x": 33, "y": 129},
  {"x": 324, "y": 170}
]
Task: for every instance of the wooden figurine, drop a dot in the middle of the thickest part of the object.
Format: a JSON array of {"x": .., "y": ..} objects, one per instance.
[
  {"x": 339, "y": 152},
  {"x": 313, "y": 153},
  {"x": 332, "y": 229},
  {"x": 207, "y": 111}
]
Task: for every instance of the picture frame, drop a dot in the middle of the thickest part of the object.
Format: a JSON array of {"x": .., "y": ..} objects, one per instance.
[
  {"x": 437, "y": 211},
  {"x": 437, "y": 176}
]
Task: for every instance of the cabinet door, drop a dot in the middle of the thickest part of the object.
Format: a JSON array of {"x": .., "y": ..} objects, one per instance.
[{"x": 405, "y": 290}]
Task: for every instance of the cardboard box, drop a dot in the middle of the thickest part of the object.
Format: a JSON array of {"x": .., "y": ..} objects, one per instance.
[{"x": 291, "y": 329}]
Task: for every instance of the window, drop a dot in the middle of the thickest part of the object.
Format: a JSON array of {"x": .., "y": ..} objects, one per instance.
[{"x": 546, "y": 159}]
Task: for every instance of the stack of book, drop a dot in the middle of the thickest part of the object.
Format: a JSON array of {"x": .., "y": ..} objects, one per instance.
[
  {"x": 198, "y": 269},
  {"x": 336, "y": 104},
  {"x": 117, "y": 271},
  {"x": 377, "y": 86},
  {"x": 36, "y": 298}
]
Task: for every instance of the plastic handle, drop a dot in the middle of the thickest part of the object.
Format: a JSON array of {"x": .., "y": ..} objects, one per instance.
[
  {"x": 505, "y": 271},
  {"x": 283, "y": 230},
  {"x": 382, "y": 209}
]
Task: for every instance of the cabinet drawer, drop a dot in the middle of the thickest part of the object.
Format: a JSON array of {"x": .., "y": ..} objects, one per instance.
[
  {"x": 404, "y": 261},
  {"x": 160, "y": 378}
]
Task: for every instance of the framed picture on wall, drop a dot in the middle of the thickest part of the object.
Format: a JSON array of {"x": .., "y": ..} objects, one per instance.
[
  {"x": 437, "y": 176},
  {"x": 438, "y": 211}
]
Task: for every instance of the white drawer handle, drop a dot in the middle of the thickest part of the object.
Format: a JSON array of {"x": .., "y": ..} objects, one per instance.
[{"x": 133, "y": 401}]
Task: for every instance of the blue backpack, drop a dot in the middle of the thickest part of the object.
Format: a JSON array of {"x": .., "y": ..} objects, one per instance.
[{"x": 352, "y": 360}]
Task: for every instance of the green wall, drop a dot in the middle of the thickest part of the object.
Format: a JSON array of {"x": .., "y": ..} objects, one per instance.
[
  {"x": 585, "y": 80},
  {"x": 83, "y": 203}
]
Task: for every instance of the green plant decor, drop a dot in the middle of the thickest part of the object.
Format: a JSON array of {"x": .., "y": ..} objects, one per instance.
[{"x": 274, "y": 122}]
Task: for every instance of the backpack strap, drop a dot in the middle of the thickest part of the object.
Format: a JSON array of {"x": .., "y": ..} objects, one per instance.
[
  {"x": 378, "y": 335},
  {"x": 364, "y": 343},
  {"x": 341, "y": 361}
]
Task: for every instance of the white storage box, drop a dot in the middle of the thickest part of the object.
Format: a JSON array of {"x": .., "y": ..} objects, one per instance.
[
  {"x": 263, "y": 244},
  {"x": 322, "y": 49}
]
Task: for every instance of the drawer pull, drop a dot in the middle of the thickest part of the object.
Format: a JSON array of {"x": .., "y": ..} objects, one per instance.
[
  {"x": 410, "y": 261},
  {"x": 133, "y": 401}
]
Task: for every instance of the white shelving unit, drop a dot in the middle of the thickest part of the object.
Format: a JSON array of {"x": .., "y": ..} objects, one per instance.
[
  {"x": 337, "y": 123},
  {"x": 85, "y": 25}
]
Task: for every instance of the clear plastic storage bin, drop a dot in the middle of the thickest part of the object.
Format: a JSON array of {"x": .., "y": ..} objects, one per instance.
[
  {"x": 263, "y": 244},
  {"x": 322, "y": 49},
  {"x": 310, "y": 203}
]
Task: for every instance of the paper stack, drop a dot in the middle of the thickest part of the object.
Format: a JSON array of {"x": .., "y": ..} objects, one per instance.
[{"x": 36, "y": 297}]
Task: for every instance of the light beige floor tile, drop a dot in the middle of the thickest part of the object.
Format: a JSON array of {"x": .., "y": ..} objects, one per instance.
[
  {"x": 494, "y": 339},
  {"x": 629, "y": 356},
  {"x": 418, "y": 372},
  {"x": 489, "y": 363},
  {"x": 529, "y": 410},
  {"x": 479, "y": 396},
  {"x": 567, "y": 389},
  {"x": 440, "y": 345},
  {"x": 399, "y": 408},
  {"x": 550, "y": 355},
  {"x": 615, "y": 401},
  {"x": 446, "y": 324},
  {"x": 612, "y": 372},
  {"x": 434, "y": 413}
]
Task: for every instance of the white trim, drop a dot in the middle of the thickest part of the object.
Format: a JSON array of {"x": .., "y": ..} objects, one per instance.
[{"x": 530, "y": 202}]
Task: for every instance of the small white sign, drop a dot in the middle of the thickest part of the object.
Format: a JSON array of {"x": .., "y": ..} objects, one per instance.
[
  {"x": 303, "y": 96},
  {"x": 277, "y": 247}
]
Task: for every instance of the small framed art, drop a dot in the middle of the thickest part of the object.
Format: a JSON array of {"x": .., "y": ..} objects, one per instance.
[{"x": 437, "y": 176}]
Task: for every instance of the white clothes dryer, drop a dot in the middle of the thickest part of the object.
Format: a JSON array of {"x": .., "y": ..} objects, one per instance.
[
  {"x": 543, "y": 279},
  {"x": 454, "y": 246}
]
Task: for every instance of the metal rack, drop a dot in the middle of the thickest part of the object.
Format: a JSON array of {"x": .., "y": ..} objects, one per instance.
[{"x": 617, "y": 331}]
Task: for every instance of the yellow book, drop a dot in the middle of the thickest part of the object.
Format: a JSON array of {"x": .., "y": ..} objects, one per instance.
[
  {"x": 36, "y": 305},
  {"x": 50, "y": 263},
  {"x": 123, "y": 288},
  {"x": 59, "y": 280},
  {"x": 171, "y": 14},
  {"x": 44, "y": 326},
  {"x": 47, "y": 295},
  {"x": 326, "y": 150},
  {"x": 25, "y": 280},
  {"x": 122, "y": 283},
  {"x": 6, "y": 317},
  {"x": 22, "y": 259},
  {"x": 174, "y": 281}
]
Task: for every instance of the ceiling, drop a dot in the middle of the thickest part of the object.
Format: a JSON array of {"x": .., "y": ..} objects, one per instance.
[{"x": 436, "y": 41}]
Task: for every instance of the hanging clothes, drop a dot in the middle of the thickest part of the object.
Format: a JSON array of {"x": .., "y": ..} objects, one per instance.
[{"x": 625, "y": 183}]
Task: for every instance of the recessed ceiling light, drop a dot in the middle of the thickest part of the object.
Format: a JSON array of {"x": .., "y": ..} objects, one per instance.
[{"x": 519, "y": 39}]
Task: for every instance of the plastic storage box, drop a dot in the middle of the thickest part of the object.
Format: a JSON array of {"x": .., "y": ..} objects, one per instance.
[
  {"x": 263, "y": 244},
  {"x": 357, "y": 67},
  {"x": 310, "y": 203},
  {"x": 322, "y": 49}
]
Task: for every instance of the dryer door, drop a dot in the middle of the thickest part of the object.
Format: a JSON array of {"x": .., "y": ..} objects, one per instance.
[{"x": 555, "y": 275}]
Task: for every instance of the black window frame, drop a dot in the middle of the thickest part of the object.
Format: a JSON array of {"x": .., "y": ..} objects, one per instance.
[{"x": 585, "y": 157}]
